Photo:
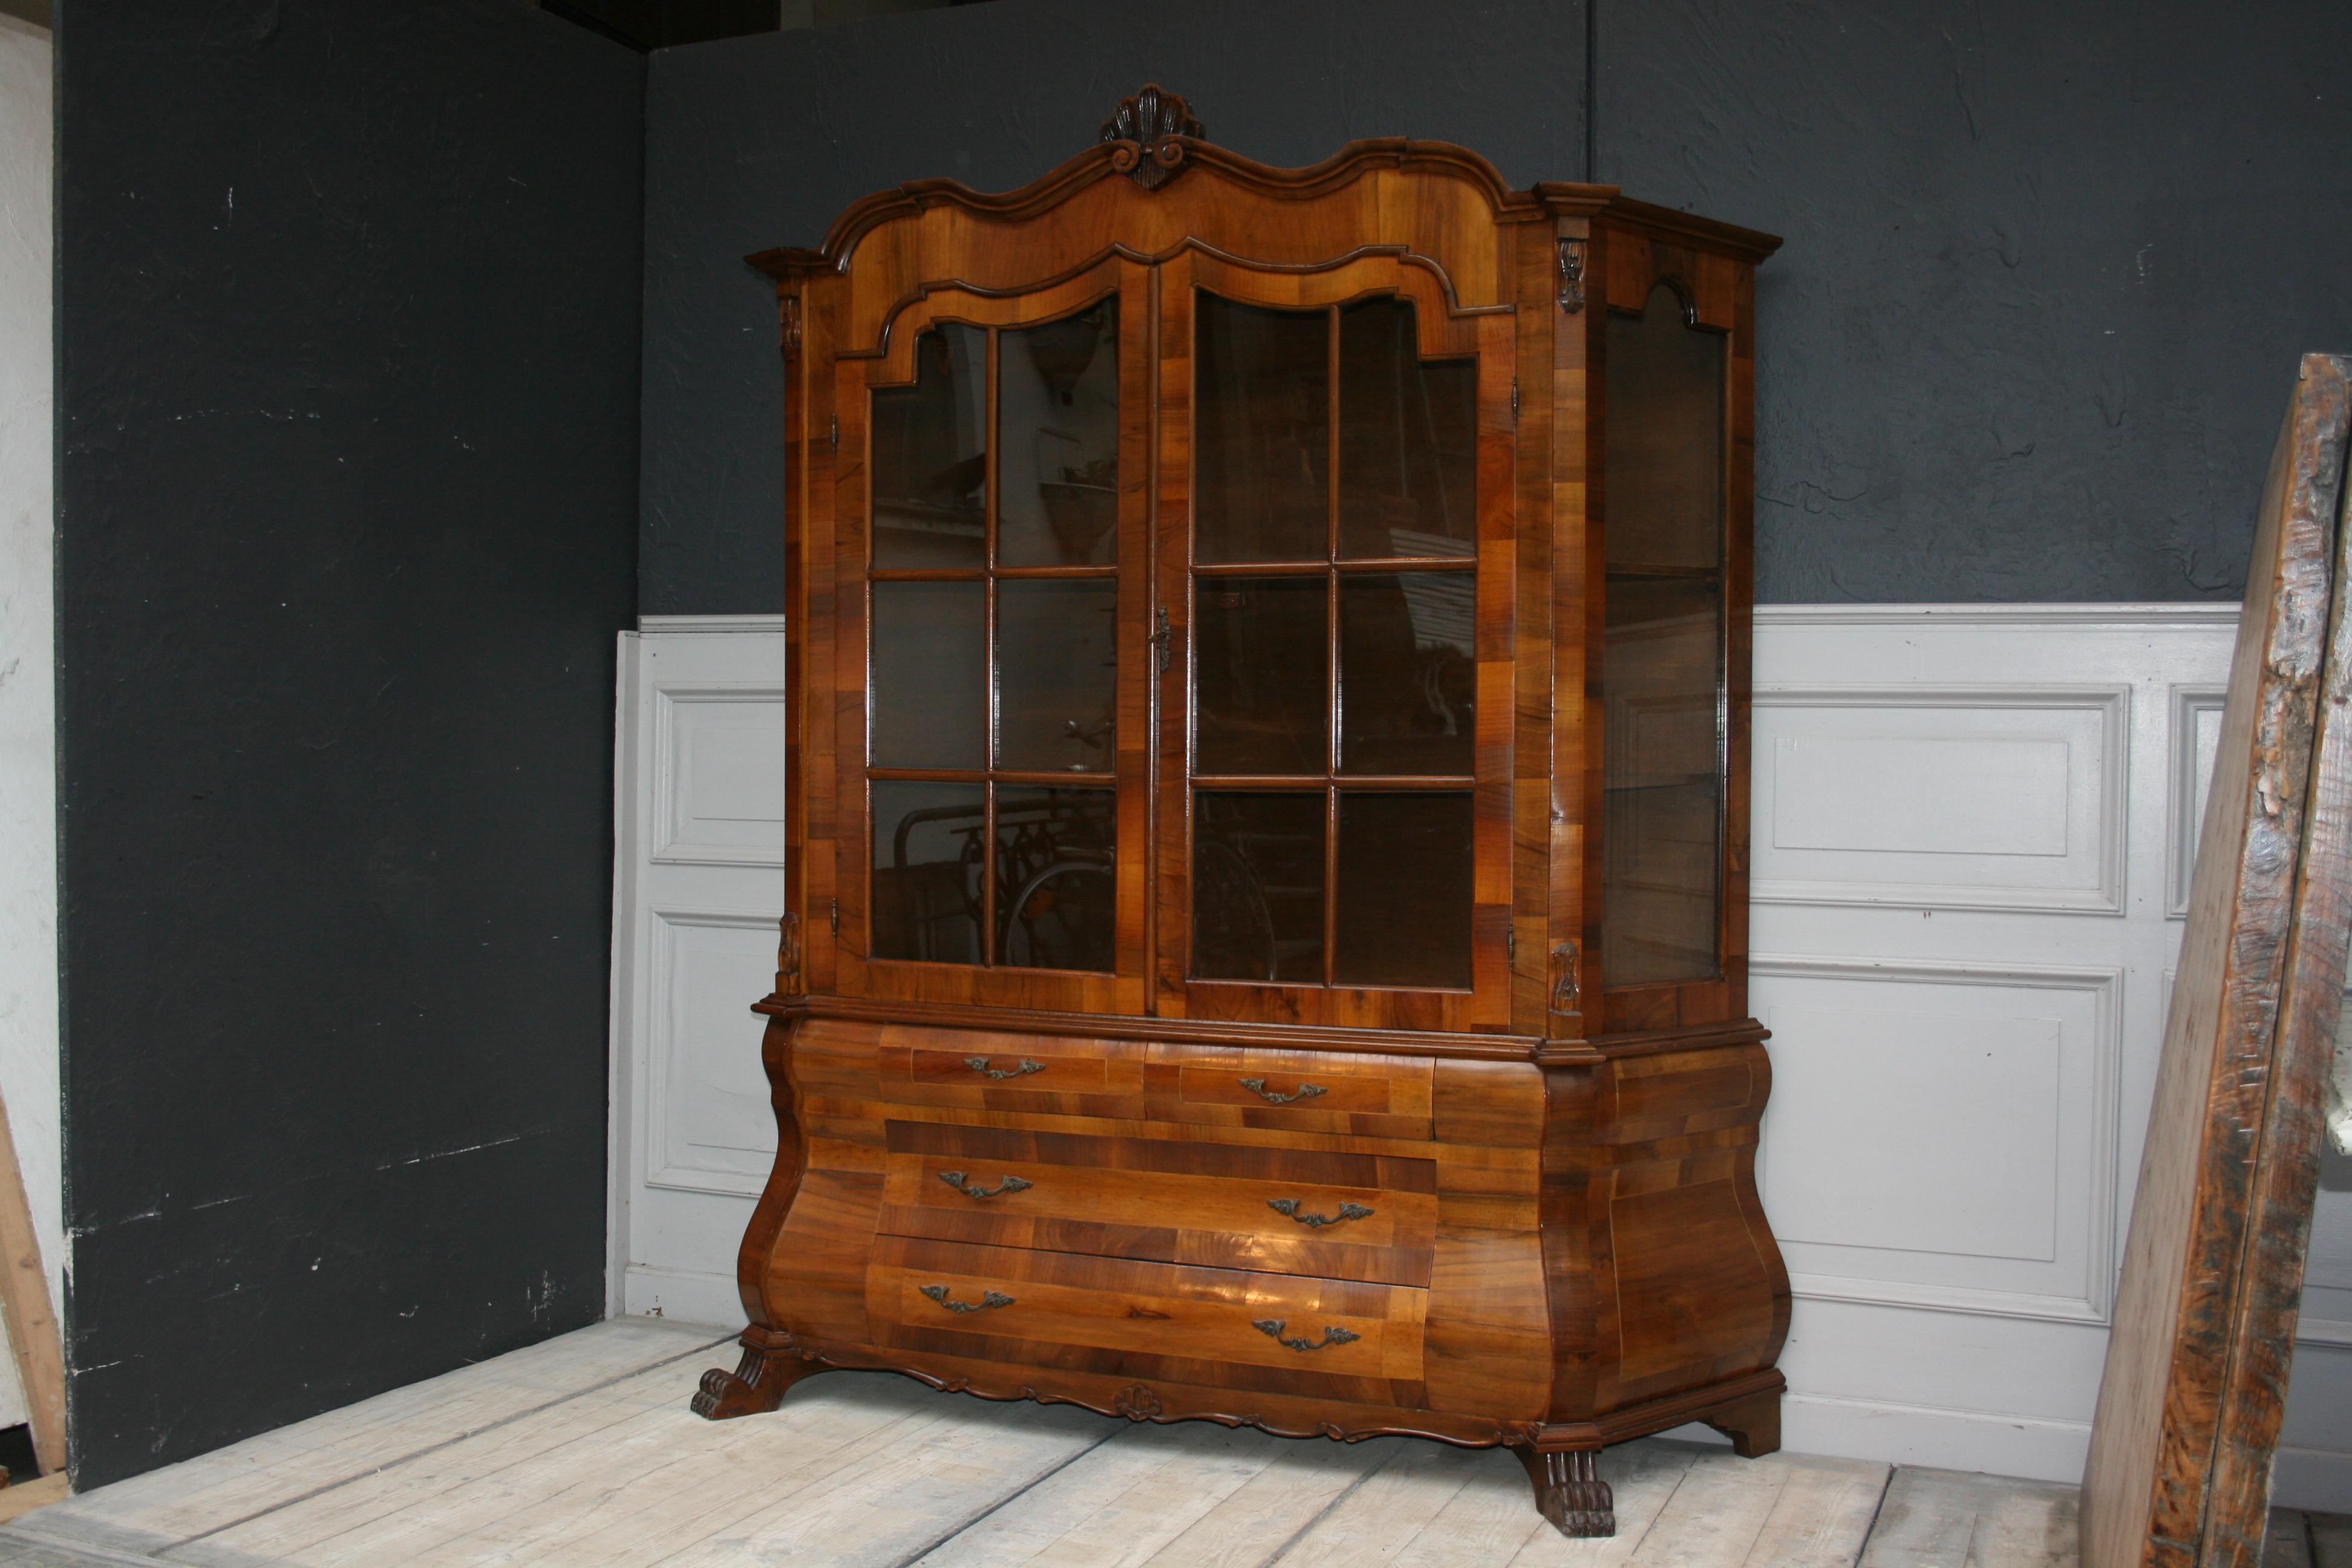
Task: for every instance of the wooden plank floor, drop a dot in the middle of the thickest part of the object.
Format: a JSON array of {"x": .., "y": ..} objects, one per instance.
[{"x": 581, "y": 1452}]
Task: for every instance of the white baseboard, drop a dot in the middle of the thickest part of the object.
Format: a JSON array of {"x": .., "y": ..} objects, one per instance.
[
  {"x": 2026, "y": 1446},
  {"x": 2318, "y": 1480},
  {"x": 681, "y": 1297}
]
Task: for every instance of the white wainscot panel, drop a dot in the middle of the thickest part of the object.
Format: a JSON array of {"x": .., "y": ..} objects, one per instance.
[
  {"x": 719, "y": 785},
  {"x": 1983, "y": 797},
  {"x": 710, "y": 1125},
  {"x": 1942, "y": 1135},
  {"x": 2196, "y": 736}
]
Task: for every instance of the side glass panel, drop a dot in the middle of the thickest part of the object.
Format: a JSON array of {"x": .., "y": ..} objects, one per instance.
[
  {"x": 994, "y": 661},
  {"x": 1661, "y": 670},
  {"x": 1261, "y": 432},
  {"x": 930, "y": 463},
  {"x": 1408, "y": 440},
  {"x": 1330, "y": 603},
  {"x": 1057, "y": 441}
]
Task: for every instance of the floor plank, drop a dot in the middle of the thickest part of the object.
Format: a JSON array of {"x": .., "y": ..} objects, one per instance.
[
  {"x": 1952, "y": 1519},
  {"x": 2331, "y": 1540},
  {"x": 2287, "y": 1543},
  {"x": 582, "y": 1454},
  {"x": 179, "y": 1502}
]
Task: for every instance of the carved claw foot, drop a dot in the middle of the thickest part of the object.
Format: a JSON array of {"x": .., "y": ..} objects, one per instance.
[
  {"x": 1570, "y": 1491},
  {"x": 756, "y": 1386}
]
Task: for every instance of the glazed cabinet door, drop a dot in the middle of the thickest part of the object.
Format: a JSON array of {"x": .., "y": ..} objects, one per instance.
[
  {"x": 1335, "y": 591},
  {"x": 989, "y": 573}
]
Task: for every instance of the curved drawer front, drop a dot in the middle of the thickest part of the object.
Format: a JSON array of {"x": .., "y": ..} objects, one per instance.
[
  {"x": 1147, "y": 1319},
  {"x": 1289, "y": 1210},
  {"x": 1361, "y": 1093},
  {"x": 1052, "y": 1074}
]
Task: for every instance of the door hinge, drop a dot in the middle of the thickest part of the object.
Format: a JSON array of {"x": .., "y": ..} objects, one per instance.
[
  {"x": 836, "y": 918},
  {"x": 1511, "y": 943},
  {"x": 1514, "y": 400},
  {"x": 832, "y": 437},
  {"x": 1162, "y": 641}
]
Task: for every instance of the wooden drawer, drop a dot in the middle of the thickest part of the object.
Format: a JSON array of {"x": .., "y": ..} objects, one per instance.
[
  {"x": 1146, "y": 1320},
  {"x": 1052, "y": 1074},
  {"x": 1321, "y": 1091},
  {"x": 1289, "y": 1210}
]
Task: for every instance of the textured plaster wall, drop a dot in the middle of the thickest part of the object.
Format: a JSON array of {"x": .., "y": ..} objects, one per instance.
[
  {"x": 348, "y": 339},
  {"x": 2047, "y": 276}
]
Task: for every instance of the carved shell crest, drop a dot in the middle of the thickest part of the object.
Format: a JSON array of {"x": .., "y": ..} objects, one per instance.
[{"x": 1146, "y": 136}]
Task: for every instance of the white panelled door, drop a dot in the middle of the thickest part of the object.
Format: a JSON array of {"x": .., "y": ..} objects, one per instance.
[{"x": 699, "y": 886}]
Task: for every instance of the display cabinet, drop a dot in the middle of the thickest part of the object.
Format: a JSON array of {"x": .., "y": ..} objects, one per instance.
[{"x": 1267, "y": 818}]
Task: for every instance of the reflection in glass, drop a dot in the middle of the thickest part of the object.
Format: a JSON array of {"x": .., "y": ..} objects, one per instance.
[
  {"x": 1257, "y": 886},
  {"x": 926, "y": 870},
  {"x": 929, "y": 460},
  {"x": 931, "y": 669},
  {"x": 1057, "y": 446},
  {"x": 1262, "y": 433},
  {"x": 1408, "y": 440},
  {"x": 1408, "y": 679},
  {"x": 1402, "y": 903},
  {"x": 1055, "y": 652},
  {"x": 1261, "y": 704},
  {"x": 1054, "y": 877},
  {"x": 1665, "y": 439},
  {"x": 1662, "y": 783}
]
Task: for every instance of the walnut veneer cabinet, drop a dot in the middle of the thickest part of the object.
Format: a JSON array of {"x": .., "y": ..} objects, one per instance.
[{"x": 1268, "y": 806}]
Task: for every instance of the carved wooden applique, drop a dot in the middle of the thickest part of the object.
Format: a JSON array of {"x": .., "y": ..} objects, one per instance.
[{"x": 1149, "y": 130}]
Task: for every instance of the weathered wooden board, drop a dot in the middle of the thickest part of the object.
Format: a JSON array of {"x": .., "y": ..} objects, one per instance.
[{"x": 2197, "y": 1366}]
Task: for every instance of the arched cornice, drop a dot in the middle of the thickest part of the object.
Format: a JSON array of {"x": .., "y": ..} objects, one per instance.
[{"x": 1174, "y": 155}]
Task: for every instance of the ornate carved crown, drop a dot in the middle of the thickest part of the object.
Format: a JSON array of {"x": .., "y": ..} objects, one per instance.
[{"x": 1147, "y": 135}]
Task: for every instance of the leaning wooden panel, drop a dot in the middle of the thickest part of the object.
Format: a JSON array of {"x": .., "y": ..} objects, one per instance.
[{"x": 2197, "y": 1366}]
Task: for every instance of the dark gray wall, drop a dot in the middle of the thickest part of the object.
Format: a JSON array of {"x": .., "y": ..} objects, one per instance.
[
  {"x": 348, "y": 299},
  {"x": 2047, "y": 275}
]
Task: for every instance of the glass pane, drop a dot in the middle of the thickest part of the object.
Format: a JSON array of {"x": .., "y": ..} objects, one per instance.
[
  {"x": 1262, "y": 703},
  {"x": 930, "y": 463},
  {"x": 1408, "y": 440},
  {"x": 1261, "y": 433},
  {"x": 1054, "y": 658},
  {"x": 926, "y": 870},
  {"x": 1057, "y": 446},
  {"x": 1663, "y": 781},
  {"x": 1664, "y": 489},
  {"x": 1403, "y": 897},
  {"x": 930, "y": 668},
  {"x": 1054, "y": 877},
  {"x": 1257, "y": 886},
  {"x": 1408, "y": 682}
]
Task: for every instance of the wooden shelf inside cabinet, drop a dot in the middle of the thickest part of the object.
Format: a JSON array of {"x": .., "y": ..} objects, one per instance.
[{"x": 1180, "y": 646}]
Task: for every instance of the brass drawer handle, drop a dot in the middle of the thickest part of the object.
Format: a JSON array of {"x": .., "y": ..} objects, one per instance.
[
  {"x": 1009, "y": 1184},
  {"x": 1306, "y": 1091},
  {"x": 987, "y": 1299},
  {"x": 980, "y": 1065},
  {"x": 1289, "y": 1208},
  {"x": 1331, "y": 1336}
]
